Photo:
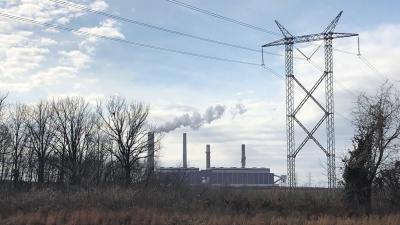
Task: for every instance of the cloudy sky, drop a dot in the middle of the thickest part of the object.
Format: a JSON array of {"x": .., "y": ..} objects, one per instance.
[{"x": 49, "y": 49}]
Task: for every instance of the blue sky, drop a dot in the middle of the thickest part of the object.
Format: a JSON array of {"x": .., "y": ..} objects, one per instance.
[{"x": 37, "y": 62}]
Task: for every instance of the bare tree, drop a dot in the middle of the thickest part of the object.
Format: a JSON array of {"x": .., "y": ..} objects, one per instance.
[
  {"x": 5, "y": 139},
  {"x": 102, "y": 146},
  {"x": 18, "y": 133},
  {"x": 42, "y": 134},
  {"x": 5, "y": 149},
  {"x": 97, "y": 153},
  {"x": 126, "y": 124},
  {"x": 2, "y": 104},
  {"x": 74, "y": 122},
  {"x": 377, "y": 122}
]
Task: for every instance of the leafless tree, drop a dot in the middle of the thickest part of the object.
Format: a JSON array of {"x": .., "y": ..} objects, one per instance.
[
  {"x": 377, "y": 122},
  {"x": 42, "y": 134},
  {"x": 18, "y": 132},
  {"x": 126, "y": 124},
  {"x": 5, "y": 149},
  {"x": 74, "y": 122},
  {"x": 97, "y": 153},
  {"x": 5, "y": 138}
]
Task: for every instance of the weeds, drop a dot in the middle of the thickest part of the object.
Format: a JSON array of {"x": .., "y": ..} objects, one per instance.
[{"x": 164, "y": 205}]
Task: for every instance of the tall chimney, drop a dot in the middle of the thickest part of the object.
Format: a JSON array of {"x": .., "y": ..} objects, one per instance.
[
  {"x": 150, "y": 150},
  {"x": 243, "y": 156},
  {"x": 208, "y": 157},
  {"x": 184, "y": 151}
]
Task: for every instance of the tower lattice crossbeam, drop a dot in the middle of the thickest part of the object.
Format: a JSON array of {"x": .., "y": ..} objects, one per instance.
[{"x": 291, "y": 111}]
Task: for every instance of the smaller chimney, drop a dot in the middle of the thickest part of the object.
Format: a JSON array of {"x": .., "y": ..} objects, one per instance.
[
  {"x": 184, "y": 151},
  {"x": 150, "y": 151},
  {"x": 243, "y": 156},
  {"x": 208, "y": 157}
]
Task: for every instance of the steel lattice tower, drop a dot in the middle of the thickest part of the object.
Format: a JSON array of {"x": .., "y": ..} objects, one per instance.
[{"x": 289, "y": 40}]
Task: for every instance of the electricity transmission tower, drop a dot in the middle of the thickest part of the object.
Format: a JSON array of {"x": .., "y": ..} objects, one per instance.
[{"x": 291, "y": 110}]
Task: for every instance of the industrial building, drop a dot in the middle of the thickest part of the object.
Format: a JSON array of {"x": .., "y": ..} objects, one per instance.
[{"x": 232, "y": 176}]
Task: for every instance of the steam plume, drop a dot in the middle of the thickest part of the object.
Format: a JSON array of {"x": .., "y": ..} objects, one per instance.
[
  {"x": 195, "y": 121},
  {"x": 239, "y": 109}
]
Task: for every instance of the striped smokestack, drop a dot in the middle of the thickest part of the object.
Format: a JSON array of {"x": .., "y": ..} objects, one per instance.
[
  {"x": 243, "y": 156},
  {"x": 184, "y": 151}
]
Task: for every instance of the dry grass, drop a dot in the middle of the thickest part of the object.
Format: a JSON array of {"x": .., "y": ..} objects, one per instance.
[
  {"x": 162, "y": 205},
  {"x": 154, "y": 217}
]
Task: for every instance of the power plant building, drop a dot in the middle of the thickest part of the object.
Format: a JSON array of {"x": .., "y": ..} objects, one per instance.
[{"x": 217, "y": 175}]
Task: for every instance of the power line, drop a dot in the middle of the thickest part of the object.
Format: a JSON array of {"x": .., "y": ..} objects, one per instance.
[
  {"x": 359, "y": 54},
  {"x": 142, "y": 44},
  {"x": 321, "y": 70},
  {"x": 334, "y": 80},
  {"x": 273, "y": 72},
  {"x": 239, "y": 22},
  {"x": 372, "y": 67},
  {"x": 223, "y": 17},
  {"x": 270, "y": 32},
  {"x": 84, "y": 8},
  {"x": 125, "y": 41},
  {"x": 249, "y": 9}
]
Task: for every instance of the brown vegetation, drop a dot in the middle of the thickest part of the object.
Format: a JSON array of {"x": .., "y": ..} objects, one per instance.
[
  {"x": 183, "y": 205},
  {"x": 144, "y": 217}
]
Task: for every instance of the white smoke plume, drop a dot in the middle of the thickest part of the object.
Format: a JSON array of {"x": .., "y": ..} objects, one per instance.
[
  {"x": 195, "y": 121},
  {"x": 239, "y": 109}
]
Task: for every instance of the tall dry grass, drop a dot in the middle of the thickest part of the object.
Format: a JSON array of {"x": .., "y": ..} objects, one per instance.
[
  {"x": 154, "y": 217},
  {"x": 178, "y": 205}
]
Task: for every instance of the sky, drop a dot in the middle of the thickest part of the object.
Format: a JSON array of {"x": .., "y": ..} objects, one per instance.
[{"x": 221, "y": 93}]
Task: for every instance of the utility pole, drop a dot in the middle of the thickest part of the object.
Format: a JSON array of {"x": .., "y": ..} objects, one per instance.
[{"x": 289, "y": 41}]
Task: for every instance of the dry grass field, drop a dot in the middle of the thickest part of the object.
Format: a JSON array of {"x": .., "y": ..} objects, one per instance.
[
  {"x": 155, "y": 217},
  {"x": 183, "y": 205}
]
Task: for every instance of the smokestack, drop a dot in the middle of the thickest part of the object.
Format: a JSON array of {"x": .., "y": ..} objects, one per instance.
[
  {"x": 184, "y": 151},
  {"x": 208, "y": 157},
  {"x": 243, "y": 156},
  {"x": 150, "y": 150}
]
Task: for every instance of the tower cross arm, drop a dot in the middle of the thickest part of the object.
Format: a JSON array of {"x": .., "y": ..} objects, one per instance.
[
  {"x": 309, "y": 38},
  {"x": 282, "y": 41}
]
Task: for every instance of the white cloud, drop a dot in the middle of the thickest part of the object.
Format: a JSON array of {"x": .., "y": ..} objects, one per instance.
[
  {"x": 108, "y": 28},
  {"x": 53, "y": 75},
  {"x": 24, "y": 50},
  {"x": 47, "y": 41},
  {"x": 98, "y": 5},
  {"x": 5, "y": 26},
  {"x": 52, "y": 30},
  {"x": 23, "y": 59},
  {"x": 31, "y": 11},
  {"x": 63, "y": 20},
  {"x": 76, "y": 58},
  {"x": 90, "y": 97},
  {"x": 16, "y": 87},
  {"x": 41, "y": 10}
]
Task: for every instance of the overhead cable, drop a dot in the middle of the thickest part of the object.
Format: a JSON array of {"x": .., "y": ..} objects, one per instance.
[
  {"x": 239, "y": 22},
  {"x": 223, "y": 17},
  {"x": 123, "y": 40},
  {"x": 140, "y": 44},
  {"x": 87, "y": 9}
]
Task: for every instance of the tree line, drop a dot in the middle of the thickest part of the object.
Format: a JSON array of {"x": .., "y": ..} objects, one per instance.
[{"x": 69, "y": 141}]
